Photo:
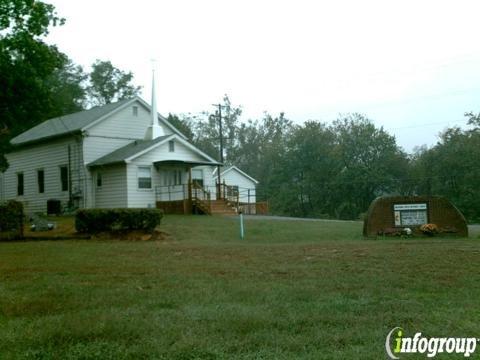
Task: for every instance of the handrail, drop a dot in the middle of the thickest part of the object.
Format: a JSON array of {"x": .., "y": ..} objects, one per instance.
[
  {"x": 201, "y": 196},
  {"x": 199, "y": 192},
  {"x": 232, "y": 194}
]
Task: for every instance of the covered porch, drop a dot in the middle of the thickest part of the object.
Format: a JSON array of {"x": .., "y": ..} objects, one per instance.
[{"x": 178, "y": 192}]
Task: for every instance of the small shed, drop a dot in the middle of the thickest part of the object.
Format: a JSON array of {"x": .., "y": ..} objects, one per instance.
[
  {"x": 390, "y": 213},
  {"x": 240, "y": 182}
]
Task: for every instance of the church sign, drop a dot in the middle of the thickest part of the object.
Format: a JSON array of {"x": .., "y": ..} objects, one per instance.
[
  {"x": 410, "y": 214},
  {"x": 394, "y": 214}
]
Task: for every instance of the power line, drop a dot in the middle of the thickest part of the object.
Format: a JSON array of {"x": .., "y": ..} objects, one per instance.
[{"x": 425, "y": 125}]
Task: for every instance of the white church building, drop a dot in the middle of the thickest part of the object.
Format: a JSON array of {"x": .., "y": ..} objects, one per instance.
[{"x": 122, "y": 154}]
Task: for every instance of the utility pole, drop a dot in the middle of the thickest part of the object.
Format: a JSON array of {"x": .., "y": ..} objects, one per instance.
[{"x": 221, "y": 146}]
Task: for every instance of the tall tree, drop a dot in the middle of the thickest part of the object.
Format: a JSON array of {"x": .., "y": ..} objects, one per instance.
[
  {"x": 109, "y": 84},
  {"x": 67, "y": 85},
  {"x": 183, "y": 124},
  {"x": 371, "y": 164},
  {"x": 311, "y": 167},
  {"x": 268, "y": 156},
  {"x": 203, "y": 130},
  {"x": 450, "y": 169},
  {"x": 26, "y": 62}
]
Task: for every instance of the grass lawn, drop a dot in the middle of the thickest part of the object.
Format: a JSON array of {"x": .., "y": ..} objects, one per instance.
[{"x": 291, "y": 289}]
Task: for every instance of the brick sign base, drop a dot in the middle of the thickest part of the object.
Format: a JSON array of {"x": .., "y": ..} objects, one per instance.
[{"x": 392, "y": 214}]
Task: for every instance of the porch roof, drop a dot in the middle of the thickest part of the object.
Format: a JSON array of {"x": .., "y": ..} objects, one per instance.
[
  {"x": 120, "y": 155},
  {"x": 138, "y": 147},
  {"x": 184, "y": 162}
]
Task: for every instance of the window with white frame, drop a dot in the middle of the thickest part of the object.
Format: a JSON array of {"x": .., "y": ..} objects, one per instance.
[
  {"x": 135, "y": 111},
  {"x": 171, "y": 146},
  {"x": 144, "y": 175}
]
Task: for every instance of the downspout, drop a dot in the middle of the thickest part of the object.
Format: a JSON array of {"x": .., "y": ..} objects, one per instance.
[
  {"x": 89, "y": 197},
  {"x": 80, "y": 172}
]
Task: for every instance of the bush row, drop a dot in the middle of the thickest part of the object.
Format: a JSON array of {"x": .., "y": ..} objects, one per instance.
[
  {"x": 100, "y": 220},
  {"x": 11, "y": 219}
]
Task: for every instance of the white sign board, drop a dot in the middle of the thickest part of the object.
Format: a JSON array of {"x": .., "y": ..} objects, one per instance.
[
  {"x": 410, "y": 214},
  {"x": 399, "y": 207}
]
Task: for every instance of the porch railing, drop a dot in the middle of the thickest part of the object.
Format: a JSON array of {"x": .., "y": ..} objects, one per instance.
[
  {"x": 181, "y": 192},
  {"x": 201, "y": 198},
  {"x": 242, "y": 199},
  {"x": 171, "y": 192}
]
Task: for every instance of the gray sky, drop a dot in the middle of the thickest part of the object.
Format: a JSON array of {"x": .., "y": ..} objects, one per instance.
[{"x": 410, "y": 66}]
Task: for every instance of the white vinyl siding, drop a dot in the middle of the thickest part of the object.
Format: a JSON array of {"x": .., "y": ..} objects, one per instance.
[
  {"x": 109, "y": 134},
  {"x": 49, "y": 157},
  {"x": 96, "y": 147},
  {"x": 140, "y": 198},
  {"x": 234, "y": 178},
  {"x": 112, "y": 193},
  {"x": 118, "y": 130},
  {"x": 112, "y": 133},
  {"x": 145, "y": 198},
  {"x": 161, "y": 153}
]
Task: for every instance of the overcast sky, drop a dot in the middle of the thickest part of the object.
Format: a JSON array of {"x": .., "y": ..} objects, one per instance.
[{"x": 410, "y": 66}]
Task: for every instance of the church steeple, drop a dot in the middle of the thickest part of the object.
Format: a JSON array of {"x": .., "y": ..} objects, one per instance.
[{"x": 154, "y": 130}]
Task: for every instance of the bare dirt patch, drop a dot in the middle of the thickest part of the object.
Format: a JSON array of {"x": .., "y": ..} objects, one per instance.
[{"x": 134, "y": 235}]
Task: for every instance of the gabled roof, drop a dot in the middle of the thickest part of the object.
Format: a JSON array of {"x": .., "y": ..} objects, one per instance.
[
  {"x": 63, "y": 125},
  {"x": 120, "y": 155},
  {"x": 233, "y": 167},
  {"x": 77, "y": 122},
  {"x": 140, "y": 147}
]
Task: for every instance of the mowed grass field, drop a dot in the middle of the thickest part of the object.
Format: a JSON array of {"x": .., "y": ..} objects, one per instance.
[{"x": 290, "y": 290}]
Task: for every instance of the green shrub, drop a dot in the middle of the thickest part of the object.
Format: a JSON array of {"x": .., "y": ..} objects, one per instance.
[
  {"x": 11, "y": 220},
  {"x": 99, "y": 220}
]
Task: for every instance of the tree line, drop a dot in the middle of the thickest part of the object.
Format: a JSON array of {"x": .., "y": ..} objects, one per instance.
[
  {"x": 335, "y": 170},
  {"x": 313, "y": 169}
]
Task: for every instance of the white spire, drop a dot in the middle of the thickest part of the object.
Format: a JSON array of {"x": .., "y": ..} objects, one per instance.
[
  {"x": 154, "y": 130},
  {"x": 154, "y": 100}
]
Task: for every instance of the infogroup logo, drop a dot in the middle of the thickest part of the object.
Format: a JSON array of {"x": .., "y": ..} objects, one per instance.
[{"x": 397, "y": 344}]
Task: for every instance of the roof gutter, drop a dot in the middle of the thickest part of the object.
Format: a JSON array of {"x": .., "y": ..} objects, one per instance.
[{"x": 44, "y": 139}]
